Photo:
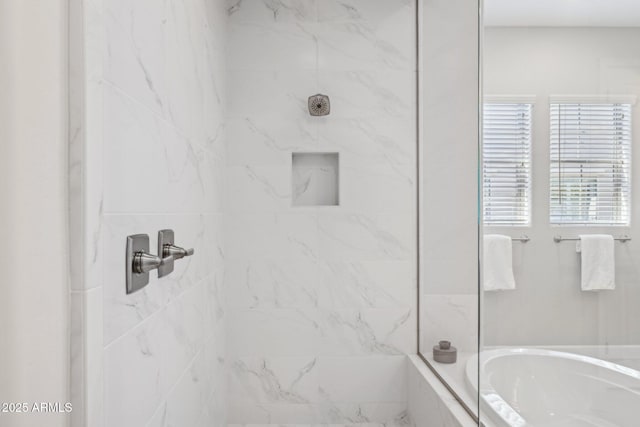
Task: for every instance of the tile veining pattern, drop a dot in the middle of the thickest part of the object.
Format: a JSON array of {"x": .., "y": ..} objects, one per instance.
[
  {"x": 155, "y": 102},
  {"x": 321, "y": 299}
]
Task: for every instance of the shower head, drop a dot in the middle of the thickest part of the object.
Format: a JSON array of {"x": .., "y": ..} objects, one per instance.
[{"x": 319, "y": 105}]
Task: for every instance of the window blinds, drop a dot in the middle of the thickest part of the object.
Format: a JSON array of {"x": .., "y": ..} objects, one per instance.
[
  {"x": 506, "y": 168},
  {"x": 590, "y": 163}
]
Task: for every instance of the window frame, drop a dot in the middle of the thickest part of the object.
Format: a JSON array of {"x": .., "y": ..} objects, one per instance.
[
  {"x": 629, "y": 100},
  {"x": 516, "y": 100}
]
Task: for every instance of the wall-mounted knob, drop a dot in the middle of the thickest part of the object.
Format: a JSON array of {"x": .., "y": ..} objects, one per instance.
[
  {"x": 166, "y": 247},
  {"x": 144, "y": 262},
  {"x": 139, "y": 262},
  {"x": 176, "y": 251}
]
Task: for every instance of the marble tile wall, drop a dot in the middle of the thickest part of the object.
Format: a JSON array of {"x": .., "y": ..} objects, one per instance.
[
  {"x": 321, "y": 299},
  {"x": 430, "y": 403},
  {"x": 151, "y": 155}
]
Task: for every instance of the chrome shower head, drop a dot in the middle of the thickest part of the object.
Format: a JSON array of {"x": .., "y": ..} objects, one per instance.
[{"x": 319, "y": 105}]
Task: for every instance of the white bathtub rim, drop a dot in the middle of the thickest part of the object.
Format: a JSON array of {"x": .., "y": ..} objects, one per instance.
[{"x": 498, "y": 405}]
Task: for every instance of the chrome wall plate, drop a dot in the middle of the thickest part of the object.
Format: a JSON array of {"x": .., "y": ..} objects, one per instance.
[
  {"x": 136, "y": 243},
  {"x": 165, "y": 238}
]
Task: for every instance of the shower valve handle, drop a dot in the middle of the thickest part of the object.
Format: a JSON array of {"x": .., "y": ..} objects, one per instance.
[
  {"x": 166, "y": 247},
  {"x": 144, "y": 262},
  {"x": 176, "y": 251}
]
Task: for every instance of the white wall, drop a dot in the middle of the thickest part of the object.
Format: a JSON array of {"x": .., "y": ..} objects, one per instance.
[
  {"x": 548, "y": 307},
  {"x": 34, "y": 258},
  {"x": 322, "y": 299},
  {"x": 150, "y": 112}
]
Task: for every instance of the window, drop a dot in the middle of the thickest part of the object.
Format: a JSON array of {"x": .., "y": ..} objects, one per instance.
[
  {"x": 506, "y": 163},
  {"x": 590, "y": 163}
]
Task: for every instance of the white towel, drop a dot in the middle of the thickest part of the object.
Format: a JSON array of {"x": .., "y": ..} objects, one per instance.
[
  {"x": 497, "y": 263},
  {"x": 598, "y": 262}
]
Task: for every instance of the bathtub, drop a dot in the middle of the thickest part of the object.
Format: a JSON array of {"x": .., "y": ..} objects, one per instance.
[{"x": 537, "y": 387}]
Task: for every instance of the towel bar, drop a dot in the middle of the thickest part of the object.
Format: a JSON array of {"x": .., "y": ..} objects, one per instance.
[
  {"x": 559, "y": 239},
  {"x": 523, "y": 239}
]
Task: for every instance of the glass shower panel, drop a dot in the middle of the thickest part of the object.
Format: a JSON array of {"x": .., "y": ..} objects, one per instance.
[
  {"x": 449, "y": 192},
  {"x": 560, "y": 290}
]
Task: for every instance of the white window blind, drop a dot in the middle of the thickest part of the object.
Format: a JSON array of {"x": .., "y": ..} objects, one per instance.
[
  {"x": 506, "y": 168},
  {"x": 590, "y": 163}
]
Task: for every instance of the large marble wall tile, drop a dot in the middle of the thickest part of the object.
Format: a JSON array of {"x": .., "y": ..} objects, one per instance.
[
  {"x": 362, "y": 284},
  {"x": 151, "y": 154},
  {"x": 373, "y": 140},
  {"x": 182, "y": 324},
  {"x": 289, "y": 235},
  {"x": 386, "y": 413},
  {"x": 252, "y": 189},
  {"x": 362, "y": 385},
  {"x": 267, "y": 413},
  {"x": 325, "y": 413},
  {"x": 215, "y": 307},
  {"x": 353, "y": 46},
  {"x": 277, "y": 283},
  {"x": 186, "y": 401},
  {"x": 212, "y": 171},
  {"x": 274, "y": 94},
  {"x": 374, "y": 13},
  {"x": 274, "y": 380},
  {"x": 134, "y": 49},
  {"x": 273, "y": 47},
  {"x": 133, "y": 371},
  {"x": 367, "y": 94},
  {"x": 382, "y": 188},
  {"x": 364, "y": 237},
  {"x": 262, "y": 141},
  {"x": 275, "y": 332},
  {"x": 186, "y": 35},
  {"x": 374, "y": 332},
  {"x": 269, "y": 11},
  {"x": 217, "y": 404}
]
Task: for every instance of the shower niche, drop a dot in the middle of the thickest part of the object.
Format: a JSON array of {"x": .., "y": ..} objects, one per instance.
[{"x": 315, "y": 179}]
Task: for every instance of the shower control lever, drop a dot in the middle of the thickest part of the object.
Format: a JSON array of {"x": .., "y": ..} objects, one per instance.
[
  {"x": 166, "y": 247},
  {"x": 144, "y": 262},
  {"x": 176, "y": 251},
  {"x": 139, "y": 262}
]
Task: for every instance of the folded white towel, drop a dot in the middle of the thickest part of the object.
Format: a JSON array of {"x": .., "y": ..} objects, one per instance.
[
  {"x": 497, "y": 263},
  {"x": 598, "y": 262}
]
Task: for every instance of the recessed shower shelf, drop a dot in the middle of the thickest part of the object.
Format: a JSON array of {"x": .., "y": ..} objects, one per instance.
[{"x": 315, "y": 179}]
